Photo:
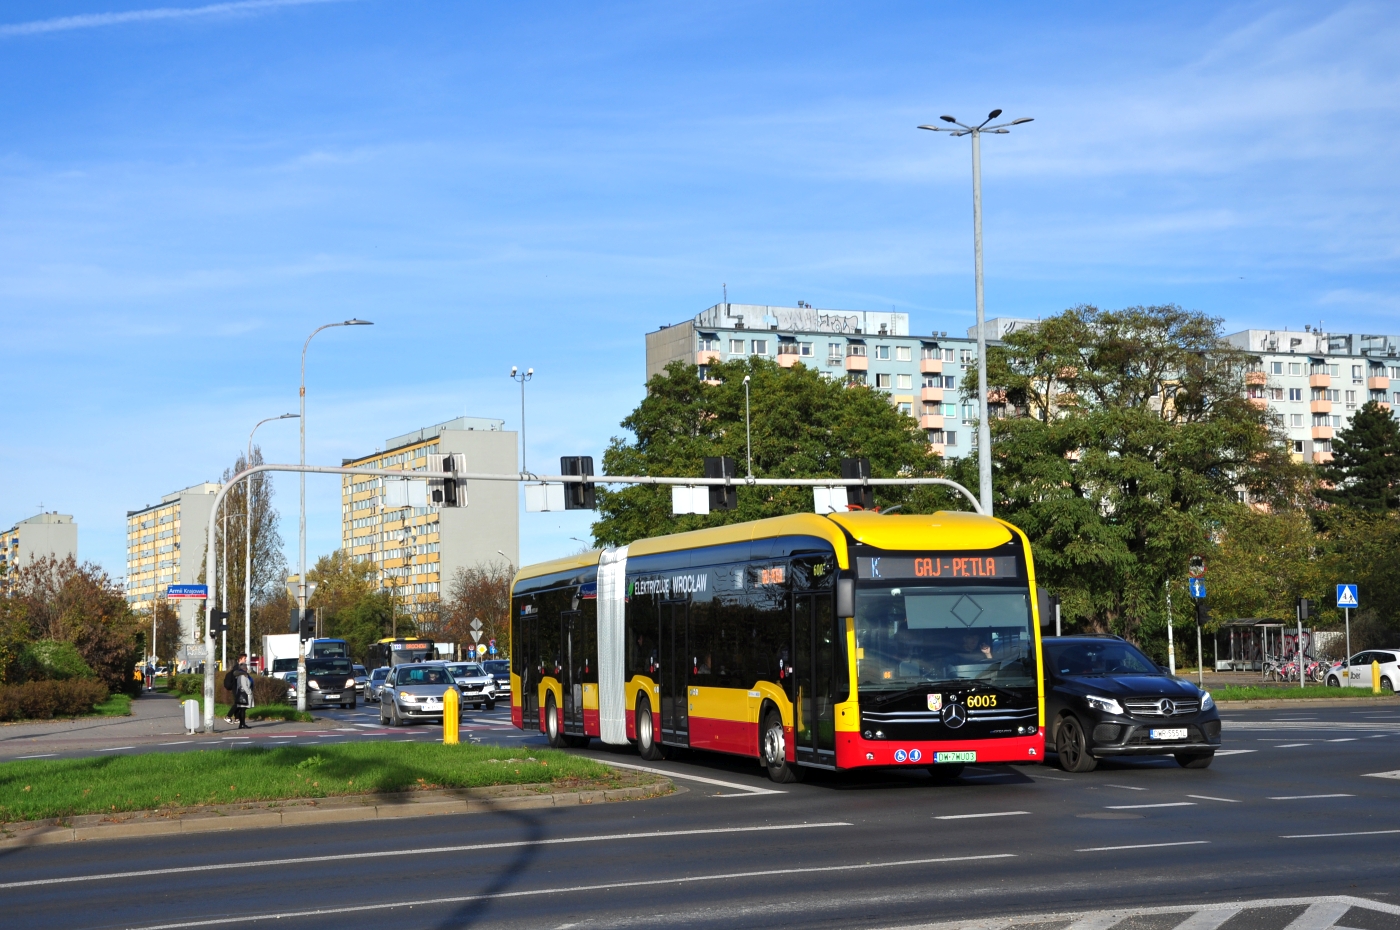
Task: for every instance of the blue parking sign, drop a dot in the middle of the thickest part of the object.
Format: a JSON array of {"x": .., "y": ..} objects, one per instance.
[
  {"x": 1197, "y": 587},
  {"x": 1346, "y": 596}
]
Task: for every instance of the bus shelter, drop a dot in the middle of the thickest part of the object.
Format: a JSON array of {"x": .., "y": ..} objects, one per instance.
[{"x": 1250, "y": 640}]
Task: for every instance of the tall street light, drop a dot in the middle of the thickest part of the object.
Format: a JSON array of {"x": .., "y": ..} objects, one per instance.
[
  {"x": 984, "y": 427},
  {"x": 301, "y": 520},
  {"x": 748, "y": 436},
  {"x": 522, "y": 378},
  {"x": 248, "y": 544}
]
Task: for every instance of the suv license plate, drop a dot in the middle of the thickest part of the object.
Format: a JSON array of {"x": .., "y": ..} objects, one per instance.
[
  {"x": 335, "y": 696},
  {"x": 1174, "y": 733},
  {"x": 954, "y": 757}
]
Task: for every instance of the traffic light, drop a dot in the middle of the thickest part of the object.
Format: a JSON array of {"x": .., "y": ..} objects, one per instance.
[
  {"x": 722, "y": 497},
  {"x": 447, "y": 492},
  {"x": 858, "y": 497},
  {"x": 1304, "y": 607},
  {"x": 581, "y": 495},
  {"x": 307, "y": 627},
  {"x": 1202, "y": 613},
  {"x": 218, "y": 621}
]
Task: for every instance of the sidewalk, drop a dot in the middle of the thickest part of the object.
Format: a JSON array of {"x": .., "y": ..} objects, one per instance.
[{"x": 155, "y": 718}]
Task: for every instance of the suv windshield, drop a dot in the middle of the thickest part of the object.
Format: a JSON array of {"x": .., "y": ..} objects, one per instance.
[
  {"x": 466, "y": 670},
  {"x": 316, "y": 667},
  {"x": 911, "y": 634},
  {"x": 496, "y": 667},
  {"x": 436, "y": 675},
  {"x": 1098, "y": 658}
]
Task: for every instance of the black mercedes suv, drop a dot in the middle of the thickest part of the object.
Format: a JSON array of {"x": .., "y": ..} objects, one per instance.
[{"x": 1105, "y": 698}]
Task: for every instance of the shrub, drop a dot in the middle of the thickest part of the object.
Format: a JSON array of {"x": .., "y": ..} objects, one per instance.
[
  {"x": 40, "y": 700},
  {"x": 51, "y": 660},
  {"x": 266, "y": 690},
  {"x": 187, "y": 685}
]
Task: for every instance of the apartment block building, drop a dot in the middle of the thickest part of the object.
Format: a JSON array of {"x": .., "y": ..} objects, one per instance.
[
  {"x": 165, "y": 545},
  {"x": 921, "y": 374},
  {"x": 1315, "y": 380},
  {"x": 417, "y": 547},
  {"x": 43, "y": 534}
]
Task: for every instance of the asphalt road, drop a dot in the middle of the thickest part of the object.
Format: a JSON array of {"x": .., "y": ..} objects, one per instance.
[{"x": 1287, "y": 811}]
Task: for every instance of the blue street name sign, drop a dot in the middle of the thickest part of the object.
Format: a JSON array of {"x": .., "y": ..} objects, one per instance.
[
  {"x": 1197, "y": 587},
  {"x": 178, "y": 591},
  {"x": 1346, "y": 596}
]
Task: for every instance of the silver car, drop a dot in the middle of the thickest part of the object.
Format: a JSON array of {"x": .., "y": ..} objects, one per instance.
[
  {"x": 414, "y": 691},
  {"x": 499, "y": 669},
  {"x": 376, "y": 684},
  {"x": 477, "y": 686}
]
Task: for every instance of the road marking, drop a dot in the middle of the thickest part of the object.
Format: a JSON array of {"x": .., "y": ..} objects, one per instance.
[
  {"x": 1206, "y": 797},
  {"x": 42, "y": 755},
  {"x": 1051, "y": 777},
  {"x": 746, "y": 789},
  {"x": 115, "y": 749},
  {"x": 970, "y": 816},
  {"x": 1306, "y": 797},
  {"x": 1344, "y": 739},
  {"x": 1129, "y": 787},
  {"x": 1142, "y": 846},
  {"x": 227, "y": 738},
  {"x": 1133, "y": 807},
  {"x": 1292, "y": 745},
  {"x": 575, "y": 889},
  {"x": 183, "y": 742},
  {"x": 1320, "y": 916},
  {"x": 1394, "y": 774},
  {"x": 1313, "y": 836},
  {"x": 1233, "y": 752}
]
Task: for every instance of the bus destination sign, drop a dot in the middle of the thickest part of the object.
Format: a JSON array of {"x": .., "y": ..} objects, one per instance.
[{"x": 942, "y": 567}]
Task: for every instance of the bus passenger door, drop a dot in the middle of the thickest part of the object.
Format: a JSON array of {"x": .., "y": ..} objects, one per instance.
[
  {"x": 571, "y": 622},
  {"x": 814, "y": 695},
  {"x": 672, "y": 677}
]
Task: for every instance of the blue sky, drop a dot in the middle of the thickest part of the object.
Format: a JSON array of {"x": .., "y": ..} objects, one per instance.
[{"x": 187, "y": 190}]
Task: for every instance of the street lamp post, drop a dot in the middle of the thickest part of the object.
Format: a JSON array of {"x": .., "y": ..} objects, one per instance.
[
  {"x": 248, "y": 543},
  {"x": 748, "y": 436},
  {"x": 522, "y": 378},
  {"x": 984, "y": 427},
  {"x": 301, "y": 519}
]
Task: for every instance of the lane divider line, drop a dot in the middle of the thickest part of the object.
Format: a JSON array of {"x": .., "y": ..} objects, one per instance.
[
  {"x": 971, "y": 816},
  {"x": 1134, "y": 807},
  {"x": 575, "y": 889},
  {"x": 1206, "y": 797},
  {"x": 1314, "y": 836},
  {"x": 1144, "y": 846},
  {"x": 1307, "y": 797},
  {"x": 340, "y": 857},
  {"x": 1129, "y": 787},
  {"x": 746, "y": 789}
]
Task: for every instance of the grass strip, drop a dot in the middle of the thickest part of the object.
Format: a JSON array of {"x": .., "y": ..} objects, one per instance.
[
  {"x": 263, "y": 712},
  {"x": 1286, "y": 693},
  {"x": 118, "y": 705},
  {"x": 35, "y": 789}
]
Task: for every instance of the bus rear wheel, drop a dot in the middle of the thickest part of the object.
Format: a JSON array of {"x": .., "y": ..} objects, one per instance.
[
  {"x": 647, "y": 747},
  {"x": 551, "y": 724},
  {"x": 773, "y": 749}
]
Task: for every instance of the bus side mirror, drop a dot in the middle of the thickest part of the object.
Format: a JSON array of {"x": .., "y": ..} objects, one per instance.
[
  {"x": 1046, "y": 609},
  {"x": 845, "y": 598}
]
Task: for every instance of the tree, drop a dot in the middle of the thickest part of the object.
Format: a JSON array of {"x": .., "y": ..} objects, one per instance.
[
  {"x": 803, "y": 424},
  {"x": 269, "y": 567},
  {"x": 1365, "y": 467},
  {"x": 478, "y": 593},
  {"x": 1125, "y": 440},
  {"x": 167, "y": 629},
  {"x": 352, "y": 607}
]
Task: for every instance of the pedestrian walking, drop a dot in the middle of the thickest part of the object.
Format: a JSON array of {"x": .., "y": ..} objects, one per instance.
[{"x": 242, "y": 691}]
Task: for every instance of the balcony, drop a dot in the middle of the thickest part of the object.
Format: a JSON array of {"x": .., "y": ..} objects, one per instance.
[
  {"x": 1381, "y": 383},
  {"x": 931, "y": 366},
  {"x": 930, "y": 421},
  {"x": 1255, "y": 377},
  {"x": 1320, "y": 381},
  {"x": 1322, "y": 432},
  {"x": 705, "y": 357},
  {"x": 857, "y": 363},
  {"x": 1384, "y": 405},
  {"x": 931, "y": 394},
  {"x": 1321, "y": 457},
  {"x": 1321, "y": 406},
  {"x": 1260, "y": 402},
  {"x": 788, "y": 359}
]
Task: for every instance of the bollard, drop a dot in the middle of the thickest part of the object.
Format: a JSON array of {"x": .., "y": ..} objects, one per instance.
[
  {"x": 192, "y": 722},
  {"x": 451, "y": 716},
  {"x": 1375, "y": 678}
]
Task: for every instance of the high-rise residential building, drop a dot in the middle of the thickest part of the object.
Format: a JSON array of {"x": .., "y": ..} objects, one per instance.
[
  {"x": 38, "y": 536},
  {"x": 165, "y": 545},
  {"x": 1315, "y": 380},
  {"x": 921, "y": 374},
  {"x": 417, "y": 547}
]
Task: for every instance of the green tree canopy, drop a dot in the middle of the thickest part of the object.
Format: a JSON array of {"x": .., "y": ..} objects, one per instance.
[
  {"x": 803, "y": 424},
  {"x": 1365, "y": 467},
  {"x": 1124, "y": 441}
]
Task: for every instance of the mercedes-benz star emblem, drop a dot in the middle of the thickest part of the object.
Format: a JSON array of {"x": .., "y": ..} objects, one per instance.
[
  {"x": 1165, "y": 707},
  {"x": 954, "y": 716}
]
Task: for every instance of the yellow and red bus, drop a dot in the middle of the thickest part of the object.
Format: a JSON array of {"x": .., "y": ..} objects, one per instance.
[{"x": 841, "y": 641}]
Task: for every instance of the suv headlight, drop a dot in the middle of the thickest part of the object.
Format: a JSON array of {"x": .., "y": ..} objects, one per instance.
[
  {"x": 314, "y": 686},
  {"x": 349, "y": 682},
  {"x": 1105, "y": 704},
  {"x": 1207, "y": 702}
]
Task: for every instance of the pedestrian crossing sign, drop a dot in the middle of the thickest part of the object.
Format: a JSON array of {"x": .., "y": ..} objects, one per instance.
[{"x": 1346, "y": 595}]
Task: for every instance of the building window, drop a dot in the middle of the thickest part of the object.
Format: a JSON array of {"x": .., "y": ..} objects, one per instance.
[
  {"x": 1255, "y": 392},
  {"x": 704, "y": 376},
  {"x": 855, "y": 377},
  {"x": 1351, "y": 400},
  {"x": 882, "y": 381},
  {"x": 1295, "y": 393},
  {"x": 949, "y": 382},
  {"x": 933, "y": 381},
  {"x": 966, "y": 356},
  {"x": 948, "y": 355},
  {"x": 786, "y": 347},
  {"x": 935, "y": 436},
  {"x": 1275, "y": 393},
  {"x": 856, "y": 349},
  {"x": 950, "y": 410},
  {"x": 906, "y": 408},
  {"x": 1295, "y": 368},
  {"x": 932, "y": 409},
  {"x": 1295, "y": 419},
  {"x": 950, "y": 437},
  {"x": 905, "y": 382},
  {"x": 931, "y": 353},
  {"x": 804, "y": 349},
  {"x": 969, "y": 413},
  {"x": 736, "y": 347},
  {"x": 1396, "y": 400},
  {"x": 1333, "y": 395},
  {"x": 835, "y": 350},
  {"x": 1298, "y": 446},
  {"x": 906, "y": 354},
  {"x": 1356, "y": 372},
  {"x": 709, "y": 344},
  {"x": 760, "y": 347},
  {"x": 1321, "y": 419},
  {"x": 1276, "y": 368},
  {"x": 1336, "y": 421},
  {"x": 882, "y": 353},
  {"x": 1394, "y": 373},
  {"x": 1322, "y": 445}
]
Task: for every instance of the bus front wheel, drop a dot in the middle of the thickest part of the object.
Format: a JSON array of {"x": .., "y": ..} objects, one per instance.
[
  {"x": 551, "y": 724},
  {"x": 647, "y": 746},
  {"x": 773, "y": 747}
]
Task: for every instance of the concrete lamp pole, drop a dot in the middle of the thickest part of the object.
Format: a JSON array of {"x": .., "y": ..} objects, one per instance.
[
  {"x": 301, "y": 518},
  {"x": 248, "y": 544},
  {"x": 984, "y": 427},
  {"x": 748, "y": 436},
  {"x": 522, "y": 378}
]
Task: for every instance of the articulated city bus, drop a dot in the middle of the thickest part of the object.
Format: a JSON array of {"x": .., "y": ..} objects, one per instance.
[
  {"x": 841, "y": 641},
  {"x": 390, "y": 651}
]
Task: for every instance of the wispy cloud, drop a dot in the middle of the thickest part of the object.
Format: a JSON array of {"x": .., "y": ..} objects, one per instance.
[{"x": 95, "y": 20}]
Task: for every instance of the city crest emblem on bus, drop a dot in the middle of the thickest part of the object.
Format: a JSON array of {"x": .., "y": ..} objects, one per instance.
[{"x": 935, "y": 702}]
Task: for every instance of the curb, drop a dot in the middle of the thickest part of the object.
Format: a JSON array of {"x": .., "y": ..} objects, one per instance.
[
  {"x": 346, "y": 809},
  {"x": 1276, "y": 704}
]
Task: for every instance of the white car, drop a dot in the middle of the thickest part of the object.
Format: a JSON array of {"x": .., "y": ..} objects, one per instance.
[{"x": 1356, "y": 671}]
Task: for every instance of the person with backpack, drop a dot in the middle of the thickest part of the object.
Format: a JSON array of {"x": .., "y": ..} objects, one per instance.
[{"x": 240, "y": 685}]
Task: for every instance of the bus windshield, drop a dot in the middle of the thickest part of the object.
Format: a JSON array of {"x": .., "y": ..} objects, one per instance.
[
  {"x": 329, "y": 649},
  {"x": 908, "y": 635}
]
